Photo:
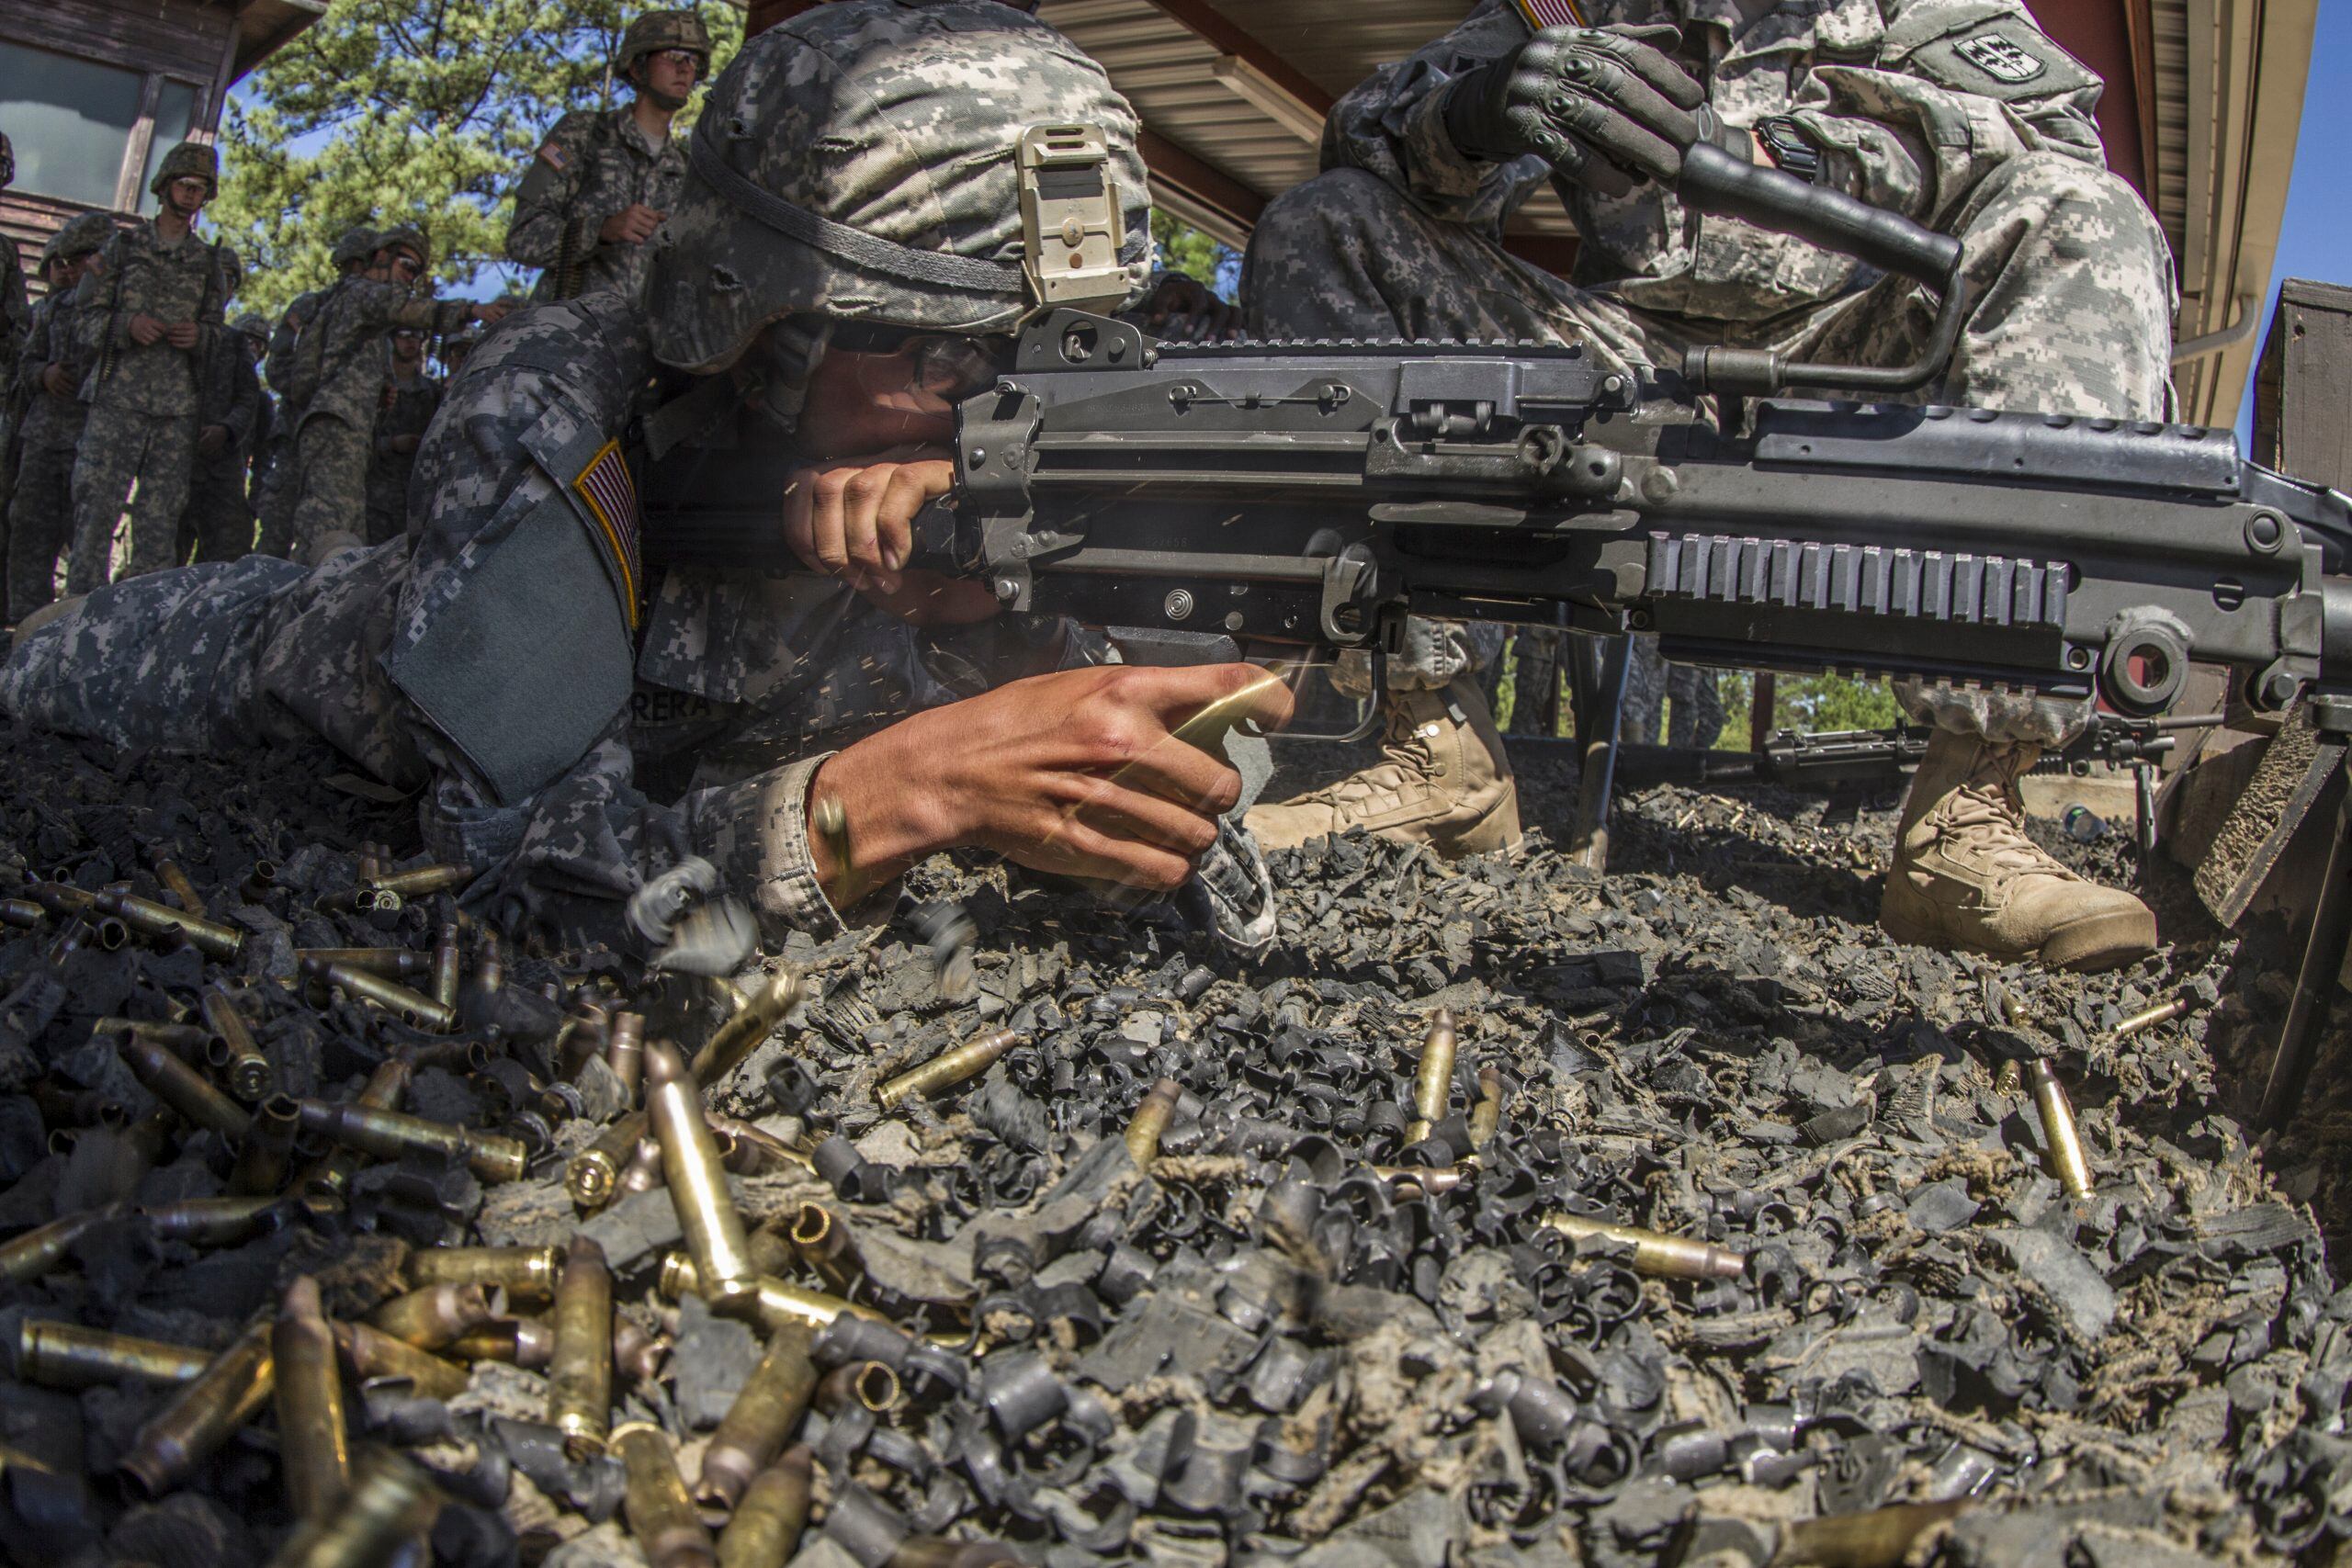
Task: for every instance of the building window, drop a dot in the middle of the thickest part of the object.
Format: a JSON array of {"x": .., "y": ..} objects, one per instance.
[
  {"x": 70, "y": 122},
  {"x": 175, "y": 111}
]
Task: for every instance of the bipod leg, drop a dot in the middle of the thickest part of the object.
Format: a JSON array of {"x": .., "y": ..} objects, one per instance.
[
  {"x": 2323, "y": 947},
  {"x": 1597, "y": 669}
]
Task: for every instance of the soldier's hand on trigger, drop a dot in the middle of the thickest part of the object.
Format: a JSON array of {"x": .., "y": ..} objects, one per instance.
[
  {"x": 211, "y": 438},
  {"x": 60, "y": 385},
  {"x": 1603, "y": 106},
  {"x": 491, "y": 312},
  {"x": 632, "y": 225},
  {"x": 145, "y": 330},
  {"x": 181, "y": 335}
]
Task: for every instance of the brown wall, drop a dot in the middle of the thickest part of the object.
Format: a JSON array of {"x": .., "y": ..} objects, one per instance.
[
  {"x": 2110, "y": 37},
  {"x": 174, "y": 36}
]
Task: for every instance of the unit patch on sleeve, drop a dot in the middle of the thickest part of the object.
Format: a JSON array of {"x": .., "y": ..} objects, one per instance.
[{"x": 2000, "y": 58}]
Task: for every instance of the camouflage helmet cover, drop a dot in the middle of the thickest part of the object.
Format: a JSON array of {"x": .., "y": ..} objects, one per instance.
[
  {"x": 654, "y": 31},
  {"x": 189, "y": 160},
  {"x": 82, "y": 235},
  {"x": 406, "y": 237},
  {"x": 876, "y": 121},
  {"x": 354, "y": 245},
  {"x": 253, "y": 324}
]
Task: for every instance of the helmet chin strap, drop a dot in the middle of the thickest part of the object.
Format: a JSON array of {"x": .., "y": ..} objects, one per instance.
[{"x": 668, "y": 103}]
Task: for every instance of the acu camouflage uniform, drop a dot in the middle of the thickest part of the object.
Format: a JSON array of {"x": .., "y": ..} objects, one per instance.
[
  {"x": 593, "y": 165},
  {"x": 1958, "y": 113},
  {"x": 41, "y": 511},
  {"x": 509, "y": 661},
  {"x": 218, "y": 521},
  {"x": 341, "y": 363},
  {"x": 406, "y": 408},
  {"x": 144, "y": 398}
]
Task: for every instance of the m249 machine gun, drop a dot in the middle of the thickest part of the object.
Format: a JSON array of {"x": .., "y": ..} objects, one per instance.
[{"x": 1221, "y": 501}]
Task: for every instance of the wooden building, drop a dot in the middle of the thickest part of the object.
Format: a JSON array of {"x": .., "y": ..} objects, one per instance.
[
  {"x": 92, "y": 92},
  {"x": 2204, "y": 103}
]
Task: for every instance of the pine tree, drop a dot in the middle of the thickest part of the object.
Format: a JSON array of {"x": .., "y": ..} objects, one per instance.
[{"x": 410, "y": 111}]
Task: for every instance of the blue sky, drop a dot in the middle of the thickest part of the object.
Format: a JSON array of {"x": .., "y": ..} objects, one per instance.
[{"x": 2316, "y": 240}]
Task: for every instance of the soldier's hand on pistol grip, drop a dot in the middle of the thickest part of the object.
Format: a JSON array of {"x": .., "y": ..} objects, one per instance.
[
  {"x": 632, "y": 225},
  {"x": 181, "y": 335},
  {"x": 57, "y": 382},
  {"x": 1603, "y": 106},
  {"x": 854, "y": 520},
  {"x": 211, "y": 438},
  {"x": 146, "y": 331}
]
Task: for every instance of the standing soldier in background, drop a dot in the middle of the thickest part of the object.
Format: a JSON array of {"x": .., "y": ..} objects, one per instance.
[
  {"x": 50, "y": 429},
  {"x": 14, "y": 316},
  {"x": 218, "y": 521},
  {"x": 411, "y": 398},
  {"x": 603, "y": 179},
  {"x": 255, "y": 328},
  {"x": 274, "y": 467},
  {"x": 149, "y": 325},
  {"x": 338, "y": 380}
]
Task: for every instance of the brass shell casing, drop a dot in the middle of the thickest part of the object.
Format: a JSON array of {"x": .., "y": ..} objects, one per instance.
[
  {"x": 372, "y": 1353},
  {"x": 28, "y": 1256},
  {"x": 525, "y": 1273},
  {"x": 821, "y": 1239},
  {"x": 714, "y": 1231},
  {"x": 248, "y": 1071},
  {"x": 767, "y": 1526},
  {"x": 392, "y": 963},
  {"x": 424, "y": 881},
  {"x": 1151, "y": 1121},
  {"x": 1487, "y": 1115},
  {"x": 580, "y": 1374},
  {"x": 777, "y": 1304},
  {"x": 1433, "y": 1084},
  {"x": 383, "y": 1091},
  {"x": 388, "y": 1134},
  {"x": 218, "y": 1221},
  {"x": 177, "y": 883},
  {"x": 766, "y": 1409},
  {"x": 181, "y": 1087},
  {"x": 1655, "y": 1252},
  {"x": 206, "y": 1412},
  {"x": 947, "y": 1069},
  {"x": 732, "y": 1043},
  {"x": 66, "y": 1355},
  {"x": 412, "y": 1006},
  {"x": 2059, "y": 1133},
  {"x": 625, "y": 1054},
  {"x": 267, "y": 1153},
  {"x": 391, "y": 1503},
  {"x": 314, "y": 1444},
  {"x": 661, "y": 1516},
  {"x": 445, "y": 965},
  {"x": 434, "y": 1316},
  {"x": 151, "y": 918},
  {"x": 525, "y": 1342},
  {"x": 592, "y": 1179}
]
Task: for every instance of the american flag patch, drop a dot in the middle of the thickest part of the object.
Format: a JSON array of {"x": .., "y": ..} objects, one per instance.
[
  {"x": 552, "y": 156},
  {"x": 611, "y": 496},
  {"x": 1550, "y": 13}
]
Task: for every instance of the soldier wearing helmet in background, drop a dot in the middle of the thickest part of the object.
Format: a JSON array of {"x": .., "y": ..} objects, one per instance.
[
  {"x": 14, "y": 316},
  {"x": 49, "y": 431},
  {"x": 218, "y": 521},
  {"x": 151, "y": 320},
  {"x": 581, "y": 728},
  {"x": 603, "y": 180},
  {"x": 336, "y": 382},
  {"x": 273, "y": 464}
]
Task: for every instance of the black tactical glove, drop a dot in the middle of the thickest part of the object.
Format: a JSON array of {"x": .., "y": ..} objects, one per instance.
[{"x": 1602, "y": 106}]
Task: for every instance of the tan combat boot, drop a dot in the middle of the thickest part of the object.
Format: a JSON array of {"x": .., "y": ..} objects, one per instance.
[
  {"x": 1967, "y": 877},
  {"x": 1442, "y": 780}
]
